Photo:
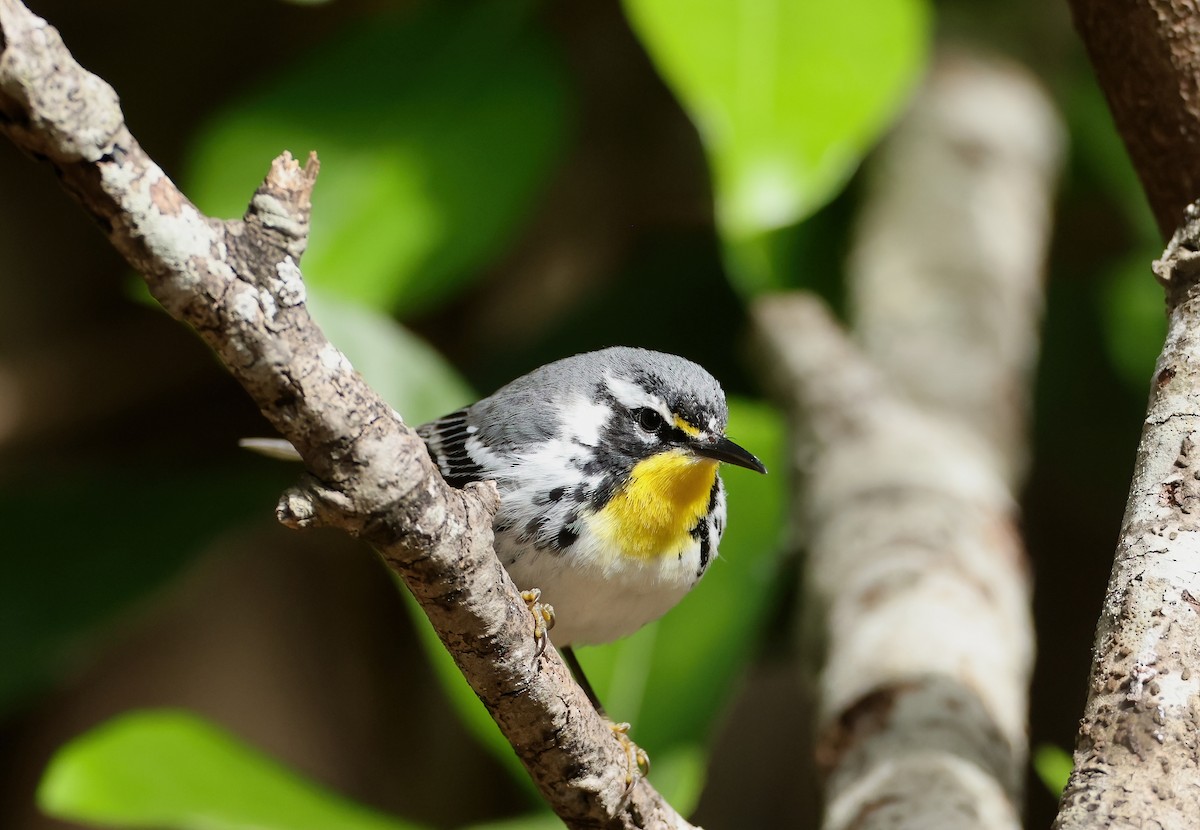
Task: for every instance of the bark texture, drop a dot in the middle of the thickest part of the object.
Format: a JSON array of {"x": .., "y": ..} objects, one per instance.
[
  {"x": 1137, "y": 758},
  {"x": 1146, "y": 55},
  {"x": 918, "y": 590},
  {"x": 238, "y": 284}
]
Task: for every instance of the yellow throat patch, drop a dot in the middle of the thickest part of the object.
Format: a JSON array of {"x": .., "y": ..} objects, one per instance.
[{"x": 664, "y": 498}]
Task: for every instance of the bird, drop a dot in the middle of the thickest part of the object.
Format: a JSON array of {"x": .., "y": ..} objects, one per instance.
[
  {"x": 606, "y": 463},
  {"x": 611, "y": 501}
]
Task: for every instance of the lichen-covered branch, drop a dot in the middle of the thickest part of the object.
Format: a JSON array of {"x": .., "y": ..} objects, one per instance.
[
  {"x": 1137, "y": 757},
  {"x": 238, "y": 284},
  {"x": 916, "y": 583}
]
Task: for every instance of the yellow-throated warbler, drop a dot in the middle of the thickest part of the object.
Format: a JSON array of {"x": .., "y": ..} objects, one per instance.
[{"x": 606, "y": 464}]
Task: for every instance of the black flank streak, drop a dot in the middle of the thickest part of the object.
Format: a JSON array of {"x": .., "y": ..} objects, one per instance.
[
  {"x": 566, "y": 537},
  {"x": 704, "y": 554}
]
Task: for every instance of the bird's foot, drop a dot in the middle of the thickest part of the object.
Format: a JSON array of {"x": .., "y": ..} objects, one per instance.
[
  {"x": 637, "y": 762},
  {"x": 543, "y": 618}
]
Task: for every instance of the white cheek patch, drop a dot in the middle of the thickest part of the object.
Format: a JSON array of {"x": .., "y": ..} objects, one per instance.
[{"x": 583, "y": 419}]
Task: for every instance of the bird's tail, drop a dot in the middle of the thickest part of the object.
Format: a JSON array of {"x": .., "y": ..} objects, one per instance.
[{"x": 276, "y": 448}]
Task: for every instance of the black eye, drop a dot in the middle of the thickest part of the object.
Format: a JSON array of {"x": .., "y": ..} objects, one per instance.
[{"x": 648, "y": 419}]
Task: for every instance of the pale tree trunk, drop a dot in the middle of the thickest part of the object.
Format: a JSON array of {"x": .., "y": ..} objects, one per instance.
[{"x": 917, "y": 585}]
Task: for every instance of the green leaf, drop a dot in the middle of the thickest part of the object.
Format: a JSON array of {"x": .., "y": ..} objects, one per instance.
[
  {"x": 435, "y": 131},
  {"x": 1053, "y": 766},
  {"x": 169, "y": 769},
  {"x": 787, "y": 97},
  {"x": 406, "y": 371}
]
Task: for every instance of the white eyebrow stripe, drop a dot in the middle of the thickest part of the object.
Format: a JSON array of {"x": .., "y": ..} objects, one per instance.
[{"x": 634, "y": 397}]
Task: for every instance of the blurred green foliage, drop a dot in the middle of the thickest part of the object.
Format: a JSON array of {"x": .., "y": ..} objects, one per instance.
[
  {"x": 436, "y": 130},
  {"x": 1135, "y": 323},
  {"x": 1131, "y": 305},
  {"x": 165, "y": 769},
  {"x": 407, "y": 372},
  {"x": 1053, "y": 766},
  {"x": 122, "y": 541},
  {"x": 787, "y": 98}
]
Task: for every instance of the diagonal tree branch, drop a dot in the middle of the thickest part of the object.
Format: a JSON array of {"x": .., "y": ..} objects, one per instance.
[{"x": 238, "y": 284}]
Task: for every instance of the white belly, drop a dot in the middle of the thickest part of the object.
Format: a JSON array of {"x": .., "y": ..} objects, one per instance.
[{"x": 592, "y": 607}]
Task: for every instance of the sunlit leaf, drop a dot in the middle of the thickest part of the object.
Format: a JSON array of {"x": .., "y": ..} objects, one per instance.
[
  {"x": 787, "y": 97},
  {"x": 435, "y": 131},
  {"x": 170, "y": 769}
]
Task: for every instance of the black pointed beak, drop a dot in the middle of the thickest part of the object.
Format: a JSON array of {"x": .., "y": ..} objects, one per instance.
[{"x": 722, "y": 449}]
